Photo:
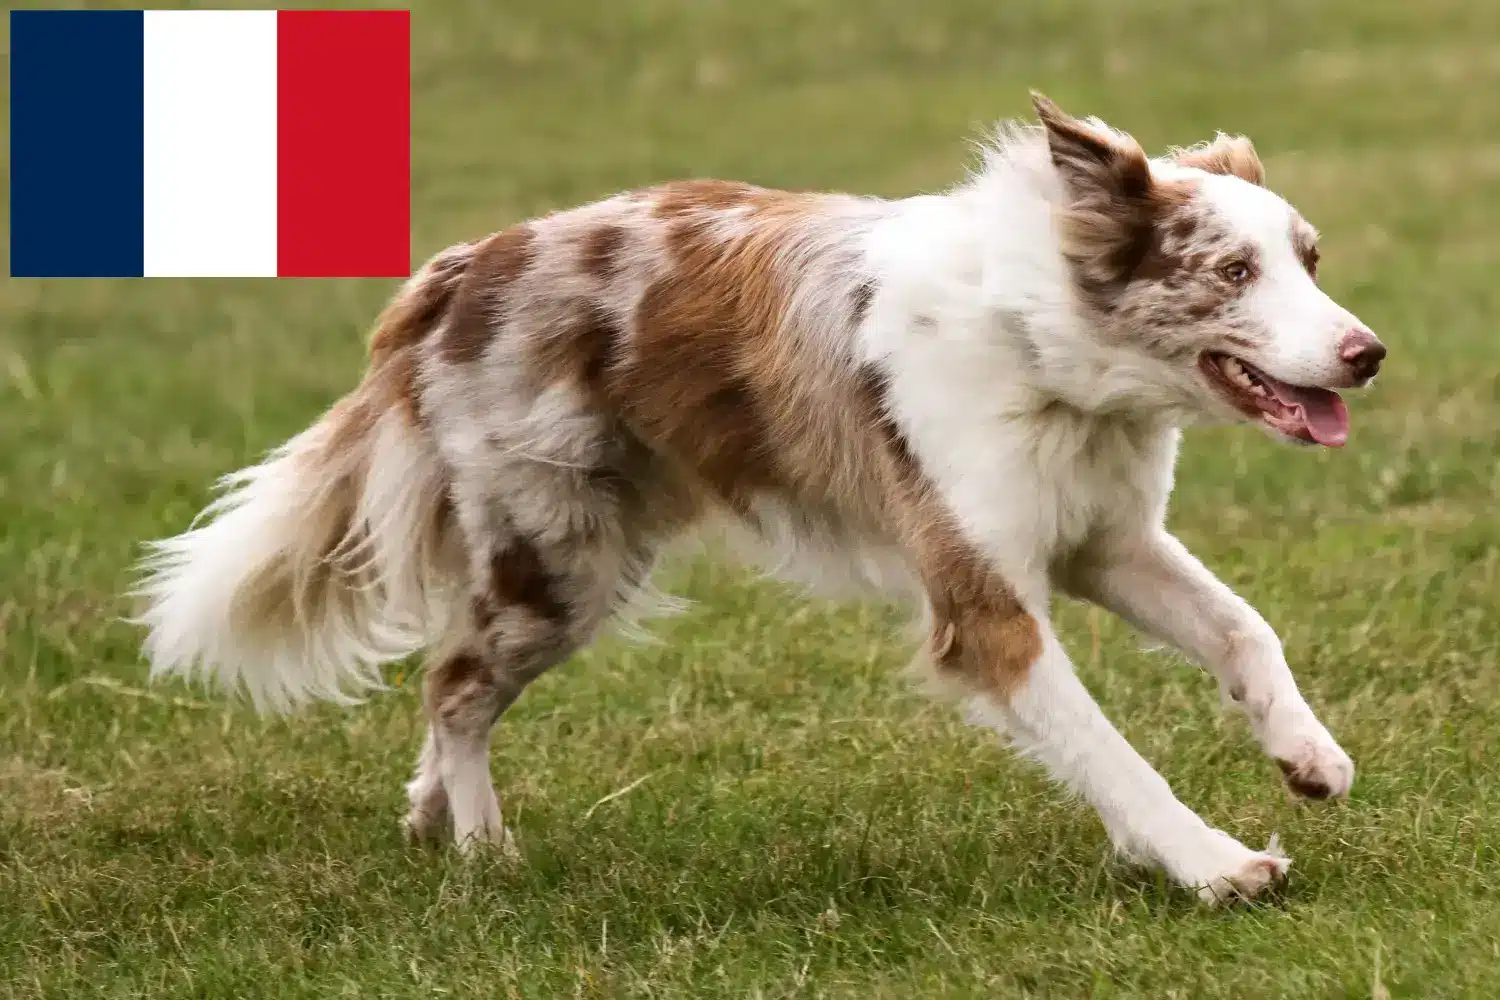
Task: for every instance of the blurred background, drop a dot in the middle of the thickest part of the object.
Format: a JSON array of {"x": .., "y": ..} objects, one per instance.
[{"x": 804, "y": 825}]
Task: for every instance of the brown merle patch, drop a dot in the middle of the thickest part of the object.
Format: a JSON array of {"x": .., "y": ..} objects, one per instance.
[
  {"x": 707, "y": 412},
  {"x": 600, "y": 257},
  {"x": 981, "y": 632},
  {"x": 450, "y": 684},
  {"x": 708, "y": 375},
  {"x": 420, "y": 305},
  {"x": 480, "y": 302},
  {"x": 519, "y": 578},
  {"x": 579, "y": 351},
  {"x": 1158, "y": 263}
]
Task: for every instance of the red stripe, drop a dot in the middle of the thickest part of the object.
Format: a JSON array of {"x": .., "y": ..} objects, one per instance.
[{"x": 343, "y": 135}]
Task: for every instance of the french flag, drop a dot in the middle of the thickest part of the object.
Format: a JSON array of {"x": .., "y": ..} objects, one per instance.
[{"x": 245, "y": 143}]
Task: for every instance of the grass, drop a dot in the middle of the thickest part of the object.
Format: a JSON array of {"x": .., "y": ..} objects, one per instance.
[{"x": 799, "y": 823}]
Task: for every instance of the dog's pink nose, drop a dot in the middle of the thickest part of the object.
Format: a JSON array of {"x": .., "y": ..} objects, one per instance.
[{"x": 1362, "y": 351}]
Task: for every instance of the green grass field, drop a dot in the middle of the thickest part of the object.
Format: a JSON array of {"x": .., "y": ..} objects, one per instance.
[{"x": 799, "y": 822}]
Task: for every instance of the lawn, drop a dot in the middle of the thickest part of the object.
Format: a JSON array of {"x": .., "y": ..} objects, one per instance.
[{"x": 799, "y": 822}]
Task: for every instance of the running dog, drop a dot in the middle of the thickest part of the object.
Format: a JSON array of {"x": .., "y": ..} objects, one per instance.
[{"x": 973, "y": 397}]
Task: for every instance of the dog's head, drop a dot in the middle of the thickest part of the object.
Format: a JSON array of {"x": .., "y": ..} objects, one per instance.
[{"x": 1193, "y": 267}]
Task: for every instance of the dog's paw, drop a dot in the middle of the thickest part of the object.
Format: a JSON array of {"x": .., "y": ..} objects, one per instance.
[
  {"x": 1250, "y": 876},
  {"x": 1314, "y": 765},
  {"x": 1248, "y": 881},
  {"x": 427, "y": 819},
  {"x": 1225, "y": 871},
  {"x": 488, "y": 842},
  {"x": 1318, "y": 770},
  {"x": 425, "y": 826}
]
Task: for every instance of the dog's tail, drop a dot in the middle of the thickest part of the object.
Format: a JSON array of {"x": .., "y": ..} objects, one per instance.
[{"x": 332, "y": 556}]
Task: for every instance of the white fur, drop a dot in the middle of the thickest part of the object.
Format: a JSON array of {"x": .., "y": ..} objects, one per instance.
[
  {"x": 268, "y": 596},
  {"x": 1308, "y": 324},
  {"x": 1056, "y": 452}
]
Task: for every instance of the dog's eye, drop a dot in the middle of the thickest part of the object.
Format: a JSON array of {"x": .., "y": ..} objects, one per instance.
[{"x": 1236, "y": 271}]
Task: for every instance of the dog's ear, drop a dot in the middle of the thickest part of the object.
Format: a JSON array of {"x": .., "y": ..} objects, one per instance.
[
  {"x": 1232, "y": 155},
  {"x": 1108, "y": 225},
  {"x": 1094, "y": 163}
]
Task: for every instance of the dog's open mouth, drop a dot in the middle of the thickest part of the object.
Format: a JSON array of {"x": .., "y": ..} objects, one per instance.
[{"x": 1303, "y": 413}]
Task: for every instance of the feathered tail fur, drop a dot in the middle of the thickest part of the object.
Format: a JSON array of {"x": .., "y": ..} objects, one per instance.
[{"x": 330, "y": 557}]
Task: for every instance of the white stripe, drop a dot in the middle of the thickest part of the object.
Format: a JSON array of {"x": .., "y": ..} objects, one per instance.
[{"x": 210, "y": 143}]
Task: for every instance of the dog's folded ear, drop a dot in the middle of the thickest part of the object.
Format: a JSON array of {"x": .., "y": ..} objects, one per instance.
[
  {"x": 1112, "y": 201},
  {"x": 1232, "y": 155},
  {"x": 1093, "y": 160}
]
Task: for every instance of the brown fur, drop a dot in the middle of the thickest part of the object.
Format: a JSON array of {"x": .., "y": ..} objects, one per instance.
[
  {"x": 864, "y": 294},
  {"x": 416, "y": 309},
  {"x": 1301, "y": 783},
  {"x": 519, "y": 578},
  {"x": 420, "y": 304},
  {"x": 1111, "y": 230},
  {"x": 981, "y": 634},
  {"x": 579, "y": 351},
  {"x": 389, "y": 383},
  {"x": 591, "y": 383},
  {"x": 1155, "y": 311},
  {"x": 713, "y": 321},
  {"x": 480, "y": 299},
  {"x": 669, "y": 311},
  {"x": 706, "y": 323},
  {"x": 1305, "y": 241},
  {"x": 1144, "y": 252},
  {"x": 601, "y": 252},
  {"x": 452, "y": 683},
  {"x": 745, "y": 412},
  {"x": 677, "y": 198},
  {"x": 1231, "y": 155}
]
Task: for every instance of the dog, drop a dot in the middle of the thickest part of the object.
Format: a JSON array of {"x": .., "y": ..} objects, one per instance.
[{"x": 973, "y": 397}]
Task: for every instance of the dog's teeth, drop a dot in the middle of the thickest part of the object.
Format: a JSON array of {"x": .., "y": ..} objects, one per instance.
[{"x": 1235, "y": 372}]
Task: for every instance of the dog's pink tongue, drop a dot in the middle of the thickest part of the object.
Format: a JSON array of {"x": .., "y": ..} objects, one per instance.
[{"x": 1323, "y": 413}]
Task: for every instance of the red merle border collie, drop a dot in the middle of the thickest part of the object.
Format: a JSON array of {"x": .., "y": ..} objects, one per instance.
[{"x": 971, "y": 397}]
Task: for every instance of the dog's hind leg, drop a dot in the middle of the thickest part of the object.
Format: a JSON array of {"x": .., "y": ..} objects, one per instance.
[
  {"x": 551, "y": 554},
  {"x": 532, "y": 605},
  {"x": 429, "y": 802}
]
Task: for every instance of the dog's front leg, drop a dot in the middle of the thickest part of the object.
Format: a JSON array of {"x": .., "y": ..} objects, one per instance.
[
  {"x": 1018, "y": 678},
  {"x": 1153, "y": 582}
]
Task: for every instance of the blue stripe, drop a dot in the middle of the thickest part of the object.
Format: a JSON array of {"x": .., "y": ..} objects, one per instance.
[{"x": 76, "y": 162}]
